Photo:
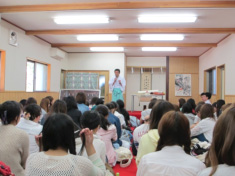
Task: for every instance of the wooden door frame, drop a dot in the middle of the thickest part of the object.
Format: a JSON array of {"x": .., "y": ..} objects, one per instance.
[
  {"x": 2, "y": 74},
  {"x": 218, "y": 72}
]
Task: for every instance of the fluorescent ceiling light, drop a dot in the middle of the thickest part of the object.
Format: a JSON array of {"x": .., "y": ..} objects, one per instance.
[
  {"x": 168, "y": 18},
  {"x": 162, "y": 37},
  {"x": 105, "y": 37},
  {"x": 81, "y": 19},
  {"x": 108, "y": 49},
  {"x": 159, "y": 48}
]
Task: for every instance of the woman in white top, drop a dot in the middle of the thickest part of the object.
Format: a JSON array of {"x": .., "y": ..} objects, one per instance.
[
  {"x": 204, "y": 129},
  {"x": 220, "y": 159},
  {"x": 172, "y": 156},
  {"x": 29, "y": 123},
  {"x": 187, "y": 110},
  {"x": 59, "y": 156}
]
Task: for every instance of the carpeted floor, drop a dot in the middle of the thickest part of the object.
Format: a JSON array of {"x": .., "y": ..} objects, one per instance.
[
  {"x": 137, "y": 114},
  {"x": 128, "y": 171}
]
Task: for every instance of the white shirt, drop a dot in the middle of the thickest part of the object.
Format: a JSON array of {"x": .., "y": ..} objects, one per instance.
[
  {"x": 222, "y": 170},
  {"x": 197, "y": 119},
  {"x": 121, "y": 118},
  {"x": 32, "y": 129},
  {"x": 190, "y": 118},
  {"x": 206, "y": 127},
  {"x": 208, "y": 102},
  {"x": 116, "y": 84},
  {"x": 139, "y": 132},
  {"x": 171, "y": 160},
  {"x": 145, "y": 113}
]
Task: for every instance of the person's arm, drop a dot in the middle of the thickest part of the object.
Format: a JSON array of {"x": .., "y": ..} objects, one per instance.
[
  {"x": 118, "y": 126},
  {"x": 140, "y": 152},
  {"x": 115, "y": 137},
  {"x": 122, "y": 83},
  {"x": 200, "y": 128},
  {"x": 25, "y": 149}
]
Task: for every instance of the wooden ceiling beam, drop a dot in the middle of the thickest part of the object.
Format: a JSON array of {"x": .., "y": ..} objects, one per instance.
[
  {"x": 133, "y": 31},
  {"x": 117, "y": 5},
  {"x": 134, "y": 45}
]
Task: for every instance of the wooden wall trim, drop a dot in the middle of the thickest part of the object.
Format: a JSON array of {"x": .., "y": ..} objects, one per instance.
[
  {"x": 167, "y": 77},
  {"x": 2, "y": 74}
]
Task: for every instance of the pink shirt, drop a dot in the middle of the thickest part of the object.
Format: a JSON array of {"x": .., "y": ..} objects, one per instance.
[{"x": 107, "y": 137}]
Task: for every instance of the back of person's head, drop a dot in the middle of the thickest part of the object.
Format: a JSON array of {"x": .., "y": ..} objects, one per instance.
[
  {"x": 81, "y": 98},
  {"x": 219, "y": 105},
  {"x": 159, "y": 109},
  {"x": 31, "y": 100},
  {"x": 99, "y": 101},
  {"x": 59, "y": 107},
  {"x": 214, "y": 104},
  {"x": 32, "y": 111},
  {"x": 104, "y": 112},
  {"x": 23, "y": 102},
  {"x": 222, "y": 150},
  {"x": 152, "y": 103},
  {"x": 176, "y": 107},
  {"x": 174, "y": 130},
  {"x": 90, "y": 119},
  {"x": 207, "y": 110},
  {"x": 198, "y": 108},
  {"x": 110, "y": 106},
  {"x": 114, "y": 104},
  {"x": 201, "y": 103},
  {"x": 70, "y": 102},
  {"x": 58, "y": 132},
  {"x": 50, "y": 98},
  {"x": 187, "y": 108},
  {"x": 182, "y": 101},
  {"x": 120, "y": 104},
  {"x": 94, "y": 100},
  {"x": 45, "y": 104},
  {"x": 9, "y": 112},
  {"x": 225, "y": 106},
  {"x": 192, "y": 103}
]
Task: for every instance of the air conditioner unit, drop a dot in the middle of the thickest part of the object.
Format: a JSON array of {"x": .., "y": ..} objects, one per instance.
[
  {"x": 13, "y": 39},
  {"x": 57, "y": 54}
]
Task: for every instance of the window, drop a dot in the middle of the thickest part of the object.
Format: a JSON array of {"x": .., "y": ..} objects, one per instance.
[
  {"x": 211, "y": 81},
  {"x": 37, "y": 76}
]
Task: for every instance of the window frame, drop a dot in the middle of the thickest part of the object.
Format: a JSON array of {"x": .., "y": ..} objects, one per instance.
[{"x": 205, "y": 80}]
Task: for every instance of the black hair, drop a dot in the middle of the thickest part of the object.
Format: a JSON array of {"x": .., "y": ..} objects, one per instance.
[
  {"x": 198, "y": 107},
  {"x": 71, "y": 103},
  {"x": 9, "y": 111},
  {"x": 192, "y": 103},
  {"x": 187, "y": 108},
  {"x": 23, "y": 102},
  {"x": 31, "y": 100},
  {"x": 99, "y": 101},
  {"x": 90, "y": 119},
  {"x": 207, "y": 94},
  {"x": 117, "y": 70},
  {"x": 103, "y": 111},
  {"x": 182, "y": 101},
  {"x": 34, "y": 110},
  {"x": 219, "y": 104},
  {"x": 152, "y": 103},
  {"x": 110, "y": 106},
  {"x": 123, "y": 111},
  {"x": 58, "y": 131},
  {"x": 94, "y": 100},
  {"x": 120, "y": 104},
  {"x": 59, "y": 107}
]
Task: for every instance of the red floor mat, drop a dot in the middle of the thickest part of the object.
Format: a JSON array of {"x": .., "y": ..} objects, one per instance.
[
  {"x": 128, "y": 171},
  {"x": 137, "y": 114}
]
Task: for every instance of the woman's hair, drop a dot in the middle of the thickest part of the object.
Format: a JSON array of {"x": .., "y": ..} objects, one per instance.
[
  {"x": 225, "y": 106},
  {"x": 23, "y": 102},
  {"x": 59, "y": 107},
  {"x": 50, "y": 98},
  {"x": 159, "y": 109},
  {"x": 99, "y": 101},
  {"x": 219, "y": 105},
  {"x": 45, "y": 104},
  {"x": 207, "y": 110},
  {"x": 120, "y": 104},
  {"x": 58, "y": 131},
  {"x": 34, "y": 110},
  {"x": 94, "y": 100},
  {"x": 81, "y": 98},
  {"x": 9, "y": 111},
  {"x": 70, "y": 102},
  {"x": 222, "y": 150},
  {"x": 123, "y": 111},
  {"x": 31, "y": 100},
  {"x": 110, "y": 106},
  {"x": 176, "y": 107},
  {"x": 174, "y": 130},
  {"x": 198, "y": 108},
  {"x": 192, "y": 103},
  {"x": 90, "y": 119},
  {"x": 182, "y": 101},
  {"x": 152, "y": 103},
  {"x": 103, "y": 111},
  {"x": 187, "y": 108}
]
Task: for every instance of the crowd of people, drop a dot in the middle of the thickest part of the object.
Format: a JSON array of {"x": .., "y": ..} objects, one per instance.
[{"x": 71, "y": 137}]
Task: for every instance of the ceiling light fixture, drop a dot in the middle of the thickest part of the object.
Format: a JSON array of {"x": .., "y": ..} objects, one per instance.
[
  {"x": 105, "y": 37},
  {"x": 107, "y": 49},
  {"x": 162, "y": 37},
  {"x": 81, "y": 19},
  {"x": 159, "y": 48}
]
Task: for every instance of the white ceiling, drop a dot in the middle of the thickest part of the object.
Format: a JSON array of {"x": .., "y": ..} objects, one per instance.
[{"x": 207, "y": 18}]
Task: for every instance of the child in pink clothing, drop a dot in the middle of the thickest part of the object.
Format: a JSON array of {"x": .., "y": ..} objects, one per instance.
[{"x": 107, "y": 133}]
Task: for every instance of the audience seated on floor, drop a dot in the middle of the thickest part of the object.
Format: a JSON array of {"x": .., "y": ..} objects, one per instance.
[
  {"x": 45, "y": 106},
  {"x": 173, "y": 150},
  {"x": 220, "y": 159},
  {"x": 149, "y": 141},
  {"x": 124, "y": 112},
  {"x": 59, "y": 152},
  {"x": 30, "y": 124},
  {"x": 181, "y": 102},
  {"x": 93, "y": 102},
  {"x": 219, "y": 105},
  {"x": 187, "y": 111},
  {"x": 147, "y": 112},
  {"x": 118, "y": 114},
  {"x": 198, "y": 115},
  {"x": 191, "y": 101},
  {"x": 204, "y": 129},
  {"x": 14, "y": 142},
  {"x": 81, "y": 102}
]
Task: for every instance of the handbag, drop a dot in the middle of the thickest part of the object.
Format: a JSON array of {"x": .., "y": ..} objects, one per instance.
[{"x": 124, "y": 156}]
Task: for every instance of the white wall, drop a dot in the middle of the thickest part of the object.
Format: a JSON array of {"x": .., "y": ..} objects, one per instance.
[
  {"x": 224, "y": 53},
  {"x": 133, "y": 79},
  {"x": 29, "y": 47}
]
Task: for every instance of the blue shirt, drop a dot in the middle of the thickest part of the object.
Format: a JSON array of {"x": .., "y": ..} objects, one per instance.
[
  {"x": 83, "y": 108},
  {"x": 115, "y": 120}
]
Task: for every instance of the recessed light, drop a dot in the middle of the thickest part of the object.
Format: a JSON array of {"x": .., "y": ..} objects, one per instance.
[
  {"x": 99, "y": 37},
  {"x": 107, "y": 49},
  {"x": 81, "y": 19},
  {"x": 168, "y": 18},
  {"x": 162, "y": 37},
  {"x": 159, "y": 48}
]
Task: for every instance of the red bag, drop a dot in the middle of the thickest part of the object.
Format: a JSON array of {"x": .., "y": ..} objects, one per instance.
[{"x": 5, "y": 170}]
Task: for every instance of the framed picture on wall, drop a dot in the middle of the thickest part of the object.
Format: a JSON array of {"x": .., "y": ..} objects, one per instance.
[{"x": 183, "y": 85}]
